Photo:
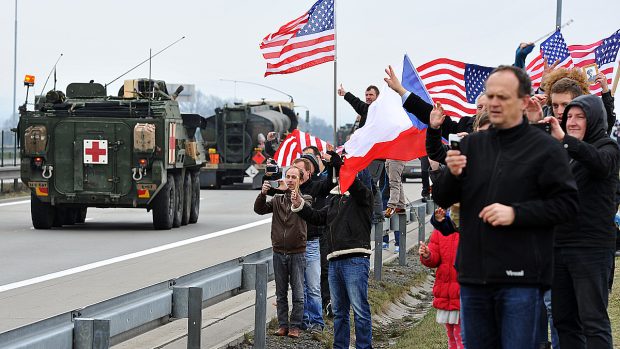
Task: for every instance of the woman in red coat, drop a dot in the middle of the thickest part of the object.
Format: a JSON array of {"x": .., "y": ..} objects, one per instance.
[{"x": 440, "y": 253}]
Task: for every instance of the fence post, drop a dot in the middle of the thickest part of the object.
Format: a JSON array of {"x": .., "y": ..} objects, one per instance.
[
  {"x": 2, "y": 156},
  {"x": 187, "y": 302},
  {"x": 91, "y": 333},
  {"x": 402, "y": 228},
  {"x": 421, "y": 217},
  {"x": 378, "y": 249},
  {"x": 15, "y": 149},
  {"x": 260, "y": 308}
]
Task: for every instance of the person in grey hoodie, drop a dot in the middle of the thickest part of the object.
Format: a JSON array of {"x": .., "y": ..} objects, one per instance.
[{"x": 584, "y": 244}]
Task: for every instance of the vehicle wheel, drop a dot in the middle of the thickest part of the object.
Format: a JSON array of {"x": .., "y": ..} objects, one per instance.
[
  {"x": 187, "y": 197},
  {"x": 80, "y": 216},
  {"x": 163, "y": 205},
  {"x": 42, "y": 213},
  {"x": 178, "y": 205},
  {"x": 195, "y": 210}
]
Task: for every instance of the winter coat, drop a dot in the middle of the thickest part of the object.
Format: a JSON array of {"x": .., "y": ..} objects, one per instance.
[
  {"x": 288, "y": 230},
  {"x": 446, "y": 290},
  {"x": 526, "y": 169},
  {"x": 594, "y": 163}
]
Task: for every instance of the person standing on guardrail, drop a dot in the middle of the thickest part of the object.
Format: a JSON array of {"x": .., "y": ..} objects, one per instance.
[
  {"x": 288, "y": 240},
  {"x": 514, "y": 185},
  {"x": 440, "y": 253},
  {"x": 348, "y": 217},
  {"x": 585, "y": 243}
]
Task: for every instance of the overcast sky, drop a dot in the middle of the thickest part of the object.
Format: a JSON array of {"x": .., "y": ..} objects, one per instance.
[{"x": 100, "y": 40}]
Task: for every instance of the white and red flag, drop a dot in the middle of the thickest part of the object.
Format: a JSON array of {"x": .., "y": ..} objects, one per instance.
[{"x": 292, "y": 146}]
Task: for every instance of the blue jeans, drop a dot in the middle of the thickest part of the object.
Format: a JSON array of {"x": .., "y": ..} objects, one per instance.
[
  {"x": 289, "y": 269},
  {"x": 386, "y": 238},
  {"x": 555, "y": 340},
  {"x": 348, "y": 282},
  {"x": 313, "y": 312},
  {"x": 500, "y": 317}
]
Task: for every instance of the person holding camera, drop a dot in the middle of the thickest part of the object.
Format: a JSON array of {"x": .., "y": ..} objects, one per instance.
[
  {"x": 288, "y": 240},
  {"x": 585, "y": 243},
  {"x": 514, "y": 185}
]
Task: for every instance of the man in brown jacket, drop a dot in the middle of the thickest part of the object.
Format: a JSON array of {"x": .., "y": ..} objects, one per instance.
[{"x": 288, "y": 240}]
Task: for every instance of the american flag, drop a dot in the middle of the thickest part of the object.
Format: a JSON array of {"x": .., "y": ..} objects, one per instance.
[
  {"x": 603, "y": 52},
  {"x": 291, "y": 147},
  {"x": 455, "y": 84},
  {"x": 304, "y": 42}
]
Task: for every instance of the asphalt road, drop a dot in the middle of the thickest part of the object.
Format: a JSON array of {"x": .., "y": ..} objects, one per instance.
[{"x": 47, "y": 272}]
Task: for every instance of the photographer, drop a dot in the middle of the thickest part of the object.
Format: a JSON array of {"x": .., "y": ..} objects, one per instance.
[
  {"x": 288, "y": 239},
  {"x": 585, "y": 243}
]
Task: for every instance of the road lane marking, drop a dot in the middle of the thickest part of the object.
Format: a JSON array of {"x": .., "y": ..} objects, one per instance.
[
  {"x": 15, "y": 203},
  {"x": 142, "y": 253}
]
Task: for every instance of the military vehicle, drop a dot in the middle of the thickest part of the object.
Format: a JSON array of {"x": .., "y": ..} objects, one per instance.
[
  {"x": 86, "y": 149},
  {"x": 232, "y": 139}
]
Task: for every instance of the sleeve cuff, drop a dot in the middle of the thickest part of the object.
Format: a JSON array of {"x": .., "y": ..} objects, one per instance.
[
  {"x": 405, "y": 96},
  {"x": 298, "y": 208}
]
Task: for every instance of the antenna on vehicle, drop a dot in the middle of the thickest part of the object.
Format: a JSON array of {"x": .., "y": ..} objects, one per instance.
[
  {"x": 144, "y": 61},
  {"x": 50, "y": 74},
  {"x": 256, "y": 84}
]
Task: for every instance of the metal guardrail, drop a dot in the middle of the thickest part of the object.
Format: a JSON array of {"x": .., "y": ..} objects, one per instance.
[
  {"x": 117, "y": 319},
  {"x": 9, "y": 172},
  {"x": 8, "y": 152}
]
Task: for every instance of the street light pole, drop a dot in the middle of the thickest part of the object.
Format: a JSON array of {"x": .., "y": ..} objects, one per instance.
[
  {"x": 558, "y": 15},
  {"x": 14, "y": 115}
]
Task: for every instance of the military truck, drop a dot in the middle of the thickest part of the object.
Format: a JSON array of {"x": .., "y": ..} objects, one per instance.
[
  {"x": 231, "y": 137},
  {"x": 86, "y": 149}
]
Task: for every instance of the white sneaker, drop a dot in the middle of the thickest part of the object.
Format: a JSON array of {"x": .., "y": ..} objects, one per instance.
[
  {"x": 396, "y": 249},
  {"x": 386, "y": 245}
]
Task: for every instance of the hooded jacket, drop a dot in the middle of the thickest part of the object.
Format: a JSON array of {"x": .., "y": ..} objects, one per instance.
[
  {"x": 594, "y": 164},
  {"x": 526, "y": 169}
]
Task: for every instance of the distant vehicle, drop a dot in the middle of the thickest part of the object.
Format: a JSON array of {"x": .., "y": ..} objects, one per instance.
[
  {"x": 87, "y": 149},
  {"x": 413, "y": 169},
  {"x": 231, "y": 137}
]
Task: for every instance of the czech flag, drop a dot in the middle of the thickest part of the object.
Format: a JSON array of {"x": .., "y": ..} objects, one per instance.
[{"x": 389, "y": 133}]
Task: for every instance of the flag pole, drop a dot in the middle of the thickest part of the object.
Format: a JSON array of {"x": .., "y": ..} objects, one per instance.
[
  {"x": 615, "y": 84},
  {"x": 335, "y": 73}
]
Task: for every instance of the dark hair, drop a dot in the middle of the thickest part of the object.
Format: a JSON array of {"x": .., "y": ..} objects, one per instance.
[
  {"x": 314, "y": 149},
  {"x": 373, "y": 87},
  {"x": 307, "y": 164},
  {"x": 567, "y": 85},
  {"x": 525, "y": 84},
  {"x": 481, "y": 120}
]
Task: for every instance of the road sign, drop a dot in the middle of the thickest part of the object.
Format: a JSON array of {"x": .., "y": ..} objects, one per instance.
[{"x": 252, "y": 171}]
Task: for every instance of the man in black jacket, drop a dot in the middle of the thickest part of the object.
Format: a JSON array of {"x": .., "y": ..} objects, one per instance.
[
  {"x": 585, "y": 244},
  {"x": 348, "y": 220},
  {"x": 514, "y": 185}
]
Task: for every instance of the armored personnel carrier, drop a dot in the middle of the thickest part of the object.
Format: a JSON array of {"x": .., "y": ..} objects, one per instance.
[{"x": 86, "y": 149}]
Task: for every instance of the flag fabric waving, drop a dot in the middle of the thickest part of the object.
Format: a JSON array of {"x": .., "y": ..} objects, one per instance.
[
  {"x": 389, "y": 133},
  {"x": 454, "y": 84},
  {"x": 603, "y": 52},
  {"x": 292, "y": 146},
  {"x": 304, "y": 42}
]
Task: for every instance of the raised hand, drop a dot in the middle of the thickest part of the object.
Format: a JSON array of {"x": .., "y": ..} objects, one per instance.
[
  {"x": 296, "y": 199},
  {"x": 341, "y": 91},
  {"x": 265, "y": 188},
  {"x": 602, "y": 79},
  {"x": 533, "y": 110},
  {"x": 424, "y": 251},
  {"x": 440, "y": 214},
  {"x": 548, "y": 69},
  {"x": 437, "y": 116},
  {"x": 393, "y": 82},
  {"x": 556, "y": 129}
]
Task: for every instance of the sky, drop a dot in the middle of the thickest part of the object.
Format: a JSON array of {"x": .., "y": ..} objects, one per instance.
[{"x": 101, "y": 40}]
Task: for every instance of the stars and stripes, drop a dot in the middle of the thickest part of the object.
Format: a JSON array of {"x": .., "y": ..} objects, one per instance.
[
  {"x": 292, "y": 146},
  {"x": 603, "y": 52},
  {"x": 304, "y": 42},
  {"x": 455, "y": 84}
]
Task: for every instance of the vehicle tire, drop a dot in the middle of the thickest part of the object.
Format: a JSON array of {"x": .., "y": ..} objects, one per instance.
[
  {"x": 81, "y": 214},
  {"x": 163, "y": 205},
  {"x": 195, "y": 210},
  {"x": 42, "y": 213},
  {"x": 178, "y": 205},
  {"x": 187, "y": 197}
]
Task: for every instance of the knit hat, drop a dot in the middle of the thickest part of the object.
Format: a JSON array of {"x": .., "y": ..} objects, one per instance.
[{"x": 313, "y": 160}]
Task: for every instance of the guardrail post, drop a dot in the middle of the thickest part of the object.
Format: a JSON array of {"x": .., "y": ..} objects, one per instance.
[
  {"x": 430, "y": 206},
  {"x": 91, "y": 333},
  {"x": 378, "y": 227},
  {"x": 187, "y": 303},
  {"x": 260, "y": 309},
  {"x": 421, "y": 214},
  {"x": 15, "y": 149},
  {"x": 402, "y": 228}
]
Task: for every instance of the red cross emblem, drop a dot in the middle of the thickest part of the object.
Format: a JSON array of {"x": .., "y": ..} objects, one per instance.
[{"x": 95, "y": 151}]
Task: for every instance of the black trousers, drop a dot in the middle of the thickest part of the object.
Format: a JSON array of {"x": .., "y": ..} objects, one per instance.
[
  {"x": 579, "y": 297},
  {"x": 324, "y": 249},
  {"x": 424, "y": 168}
]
